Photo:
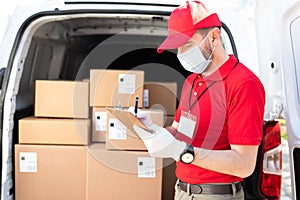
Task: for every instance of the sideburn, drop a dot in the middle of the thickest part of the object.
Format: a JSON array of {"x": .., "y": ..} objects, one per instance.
[{"x": 207, "y": 50}]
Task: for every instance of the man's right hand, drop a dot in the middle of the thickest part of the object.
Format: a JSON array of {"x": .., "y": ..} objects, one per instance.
[{"x": 144, "y": 117}]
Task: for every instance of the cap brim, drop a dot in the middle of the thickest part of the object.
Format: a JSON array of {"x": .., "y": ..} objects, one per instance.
[{"x": 174, "y": 41}]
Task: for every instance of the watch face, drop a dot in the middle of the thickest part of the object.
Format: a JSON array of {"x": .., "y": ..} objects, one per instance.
[{"x": 187, "y": 157}]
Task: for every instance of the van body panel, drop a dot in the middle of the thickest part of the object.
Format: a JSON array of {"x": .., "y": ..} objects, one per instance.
[{"x": 277, "y": 30}]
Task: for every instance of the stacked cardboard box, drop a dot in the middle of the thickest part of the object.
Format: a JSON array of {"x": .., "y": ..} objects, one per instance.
[
  {"x": 128, "y": 140},
  {"x": 61, "y": 114},
  {"x": 50, "y": 159},
  {"x": 121, "y": 174},
  {"x": 118, "y": 165},
  {"x": 64, "y": 99},
  {"x": 37, "y": 130},
  {"x": 112, "y": 88},
  {"x": 61, "y": 157},
  {"x": 50, "y": 172},
  {"x": 162, "y": 95}
]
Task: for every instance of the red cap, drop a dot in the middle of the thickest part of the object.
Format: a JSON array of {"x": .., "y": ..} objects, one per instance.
[{"x": 184, "y": 21}]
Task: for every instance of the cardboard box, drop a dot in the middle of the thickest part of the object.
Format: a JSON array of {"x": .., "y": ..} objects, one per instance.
[
  {"x": 64, "y": 99},
  {"x": 50, "y": 172},
  {"x": 114, "y": 175},
  {"x": 116, "y": 87},
  {"x": 33, "y": 130},
  {"x": 162, "y": 95},
  {"x": 119, "y": 137},
  {"x": 99, "y": 124}
]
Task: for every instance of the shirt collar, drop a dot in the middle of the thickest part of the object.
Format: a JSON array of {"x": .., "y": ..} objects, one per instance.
[{"x": 223, "y": 70}]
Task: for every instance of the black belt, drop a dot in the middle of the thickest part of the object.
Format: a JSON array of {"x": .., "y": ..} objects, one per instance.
[{"x": 209, "y": 188}]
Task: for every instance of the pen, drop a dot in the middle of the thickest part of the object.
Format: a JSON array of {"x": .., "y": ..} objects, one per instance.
[{"x": 136, "y": 105}]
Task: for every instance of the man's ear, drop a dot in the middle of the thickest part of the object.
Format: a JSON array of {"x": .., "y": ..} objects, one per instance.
[{"x": 215, "y": 36}]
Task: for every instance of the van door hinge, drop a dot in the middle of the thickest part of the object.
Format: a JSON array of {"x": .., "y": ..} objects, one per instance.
[{"x": 276, "y": 112}]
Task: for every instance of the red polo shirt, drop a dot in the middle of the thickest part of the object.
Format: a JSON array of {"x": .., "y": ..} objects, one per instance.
[{"x": 229, "y": 112}]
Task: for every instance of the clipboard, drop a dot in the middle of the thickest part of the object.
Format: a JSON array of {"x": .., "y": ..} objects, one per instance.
[{"x": 128, "y": 119}]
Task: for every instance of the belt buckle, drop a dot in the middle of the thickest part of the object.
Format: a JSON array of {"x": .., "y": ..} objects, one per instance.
[{"x": 196, "y": 189}]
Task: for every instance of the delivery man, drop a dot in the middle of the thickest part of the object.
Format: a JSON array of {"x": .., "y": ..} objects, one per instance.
[{"x": 217, "y": 127}]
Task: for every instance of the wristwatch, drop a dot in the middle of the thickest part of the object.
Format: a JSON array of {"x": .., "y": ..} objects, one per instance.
[{"x": 188, "y": 155}]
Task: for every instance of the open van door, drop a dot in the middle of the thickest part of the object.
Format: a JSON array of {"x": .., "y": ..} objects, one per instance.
[{"x": 278, "y": 43}]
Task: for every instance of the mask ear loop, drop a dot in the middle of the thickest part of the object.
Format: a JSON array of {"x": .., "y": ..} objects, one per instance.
[
  {"x": 204, "y": 39},
  {"x": 209, "y": 58}
]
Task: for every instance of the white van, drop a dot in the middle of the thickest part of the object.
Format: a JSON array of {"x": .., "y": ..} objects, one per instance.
[{"x": 63, "y": 40}]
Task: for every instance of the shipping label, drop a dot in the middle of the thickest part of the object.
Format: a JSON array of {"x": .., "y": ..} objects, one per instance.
[
  {"x": 100, "y": 121},
  {"x": 146, "y": 167},
  {"x": 116, "y": 130},
  {"x": 126, "y": 84},
  {"x": 28, "y": 162}
]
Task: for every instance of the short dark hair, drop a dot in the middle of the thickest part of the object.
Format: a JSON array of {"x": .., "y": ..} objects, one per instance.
[{"x": 204, "y": 31}]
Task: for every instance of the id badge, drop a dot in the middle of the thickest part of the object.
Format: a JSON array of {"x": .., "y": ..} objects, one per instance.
[{"x": 187, "y": 124}]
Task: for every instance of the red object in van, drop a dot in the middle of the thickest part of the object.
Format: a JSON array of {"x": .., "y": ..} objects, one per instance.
[
  {"x": 272, "y": 161},
  {"x": 265, "y": 182}
]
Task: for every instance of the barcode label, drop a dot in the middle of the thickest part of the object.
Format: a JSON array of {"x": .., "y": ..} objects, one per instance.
[
  {"x": 100, "y": 121},
  {"x": 146, "y": 167},
  {"x": 126, "y": 83},
  {"x": 28, "y": 162},
  {"x": 116, "y": 130}
]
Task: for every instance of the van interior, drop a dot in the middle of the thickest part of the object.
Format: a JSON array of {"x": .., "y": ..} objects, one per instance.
[{"x": 69, "y": 46}]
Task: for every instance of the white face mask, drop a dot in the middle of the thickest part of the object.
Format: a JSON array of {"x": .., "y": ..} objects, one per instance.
[{"x": 193, "y": 59}]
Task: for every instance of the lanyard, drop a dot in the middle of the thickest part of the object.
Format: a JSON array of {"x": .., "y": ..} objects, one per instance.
[{"x": 203, "y": 92}]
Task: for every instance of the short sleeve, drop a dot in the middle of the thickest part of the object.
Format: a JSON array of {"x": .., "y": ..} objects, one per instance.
[{"x": 246, "y": 113}]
